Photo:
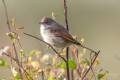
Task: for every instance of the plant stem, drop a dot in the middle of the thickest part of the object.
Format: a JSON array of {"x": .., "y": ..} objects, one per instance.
[
  {"x": 6, "y": 15},
  {"x": 67, "y": 64},
  {"x": 67, "y": 49},
  {"x": 46, "y": 44},
  {"x": 96, "y": 55},
  {"x": 7, "y": 20},
  {"x": 42, "y": 75},
  {"x": 14, "y": 59},
  {"x": 17, "y": 59}
]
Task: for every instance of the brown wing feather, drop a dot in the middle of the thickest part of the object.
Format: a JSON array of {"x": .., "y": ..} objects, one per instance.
[{"x": 62, "y": 32}]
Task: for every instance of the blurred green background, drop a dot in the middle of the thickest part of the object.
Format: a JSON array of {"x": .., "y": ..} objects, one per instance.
[{"x": 98, "y": 21}]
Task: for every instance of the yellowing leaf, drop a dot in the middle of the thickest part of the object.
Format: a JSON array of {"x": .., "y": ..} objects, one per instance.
[
  {"x": 54, "y": 60},
  {"x": 97, "y": 62},
  {"x": 29, "y": 59},
  {"x": 13, "y": 36},
  {"x": 21, "y": 53},
  {"x": 63, "y": 52},
  {"x": 51, "y": 78},
  {"x": 13, "y": 22},
  {"x": 102, "y": 75},
  {"x": 35, "y": 65},
  {"x": 45, "y": 58},
  {"x": 82, "y": 40},
  {"x": 34, "y": 53},
  {"x": 53, "y": 15},
  {"x": 15, "y": 73}
]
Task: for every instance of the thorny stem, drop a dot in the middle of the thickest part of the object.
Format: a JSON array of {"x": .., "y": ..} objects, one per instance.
[
  {"x": 67, "y": 49},
  {"x": 46, "y": 44},
  {"x": 96, "y": 55}
]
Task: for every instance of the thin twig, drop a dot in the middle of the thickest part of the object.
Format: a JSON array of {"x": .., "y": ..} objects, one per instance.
[
  {"x": 17, "y": 59},
  {"x": 42, "y": 75},
  {"x": 96, "y": 55},
  {"x": 6, "y": 14},
  {"x": 7, "y": 20},
  {"x": 92, "y": 51},
  {"x": 10, "y": 56},
  {"x": 67, "y": 49},
  {"x": 65, "y": 15},
  {"x": 46, "y": 44},
  {"x": 91, "y": 59},
  {"x": 67, "y": 64},
  {"x": 14, "y": 59}
]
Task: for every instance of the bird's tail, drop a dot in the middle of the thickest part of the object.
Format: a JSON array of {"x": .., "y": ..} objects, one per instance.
[{"x": 79, "y": 44}]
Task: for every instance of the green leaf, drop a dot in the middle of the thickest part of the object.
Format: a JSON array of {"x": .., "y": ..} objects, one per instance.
[
  {"x": 15, "y": 73},
  {"x": 61, "y": 78},
  {"x": 86, "y": 61},
  {"x": 3, "y": 63},
  {"x": 72, "y": 64},
  {"x": 100, "y": 76},
  {"x": 21, "y": 53},
  {"x": 62, "y": 65},
  {"x": 34, "y": 52},
  {"x": 17, "y": 77},
  {"x": 51, "y": 78}
]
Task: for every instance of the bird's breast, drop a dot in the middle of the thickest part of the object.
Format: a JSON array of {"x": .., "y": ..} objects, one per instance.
[{"x": 46, "y": 34}]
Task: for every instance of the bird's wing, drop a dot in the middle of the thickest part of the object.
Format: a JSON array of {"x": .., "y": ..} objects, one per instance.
[{"x": 63, "y": 33}]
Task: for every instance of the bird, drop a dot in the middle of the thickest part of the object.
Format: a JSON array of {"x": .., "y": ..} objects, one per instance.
[{"x": 56, "y": 34}]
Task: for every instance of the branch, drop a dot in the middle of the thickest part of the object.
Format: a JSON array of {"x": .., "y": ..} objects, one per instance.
[
  {"x": 67, "y": 49},
  {"x": 91, "y": 59},
  {"x": 96, "y": 55},
  {"x": 17, "y": 60},
  {"x": 46, "y": 44},
  {"x": 6, "y": 14},
  {"x": 92, "y": 51},
  {"x": 7, "y": 20},
  {"x": 14, "y": 59},
  {"x": 65, "y": 14}
]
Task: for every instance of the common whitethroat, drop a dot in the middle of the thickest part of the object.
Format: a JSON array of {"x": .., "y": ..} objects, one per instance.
[{"x": 55, "y": 34}]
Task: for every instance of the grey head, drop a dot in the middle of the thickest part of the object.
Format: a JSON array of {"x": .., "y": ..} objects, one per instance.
[{"x": 47, "y": 21}]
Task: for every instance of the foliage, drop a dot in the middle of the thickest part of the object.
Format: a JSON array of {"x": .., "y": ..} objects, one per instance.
[{"x": 37, "y": 65}]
